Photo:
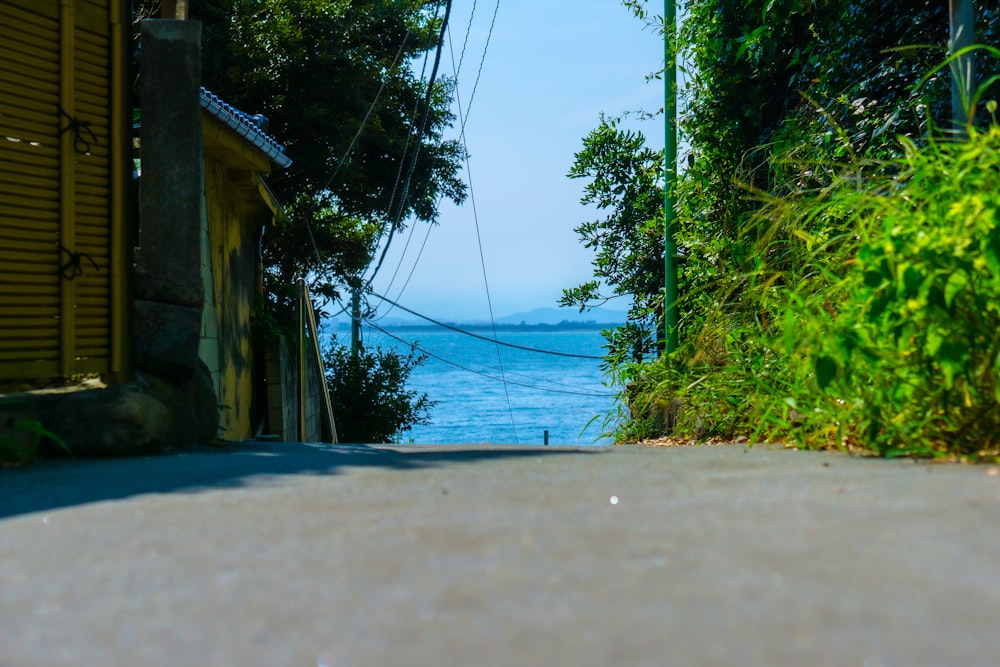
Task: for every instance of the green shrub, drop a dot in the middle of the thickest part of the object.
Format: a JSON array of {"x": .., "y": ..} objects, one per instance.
[
  {"x": 371, "y": 403},
  {"x": 872, "y": 319},
  {"x": 21, "y": 442},
  {"x": 868, "y": 320},
  {"x": 906, "y": 345}
]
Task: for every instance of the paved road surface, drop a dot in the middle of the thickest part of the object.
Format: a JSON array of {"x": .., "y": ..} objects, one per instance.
[{"x": 296, "y": 555}]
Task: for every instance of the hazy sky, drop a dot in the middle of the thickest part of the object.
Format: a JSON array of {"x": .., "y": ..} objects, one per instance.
[{"x": 552, "y": 67}]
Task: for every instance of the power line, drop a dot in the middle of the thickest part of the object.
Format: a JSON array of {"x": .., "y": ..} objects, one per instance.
[
  {"x": 361, "y": 127},
  {"x": 482, "y": 257},
  {"x": 464, "y": 120},
  {"x": 458, "y": 359},
  {"x": 402, "y": 257},
  {"x": 396, "y": 220},
  {"x": 416, "y": 346},
  {"x": 409, "y": 238},
  {"x": 399, "y": 174},
  {"x": 371, "y": 109},
  {"x": 487, "y": 338},
  {"x": 350, "y": 147},
  {"x": 482, "y": 61},
  {"x": 413, "y": 268},
  {"x": 409, "y": 135},
  {"x": 465, "y": 42}
]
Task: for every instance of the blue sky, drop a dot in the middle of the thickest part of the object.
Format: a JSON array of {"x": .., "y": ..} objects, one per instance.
[{"x": 552, "y": 67}]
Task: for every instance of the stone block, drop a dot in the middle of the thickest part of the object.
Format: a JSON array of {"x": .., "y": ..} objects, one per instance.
[
  {"x": 122, "y": 420},
  {"x": 168, "y": 259},
  {"x": 192, "y": 404},
  {"x": 167, "y": 338}
]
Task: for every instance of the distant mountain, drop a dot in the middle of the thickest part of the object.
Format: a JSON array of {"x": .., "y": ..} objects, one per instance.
[
  {"x": 558, "y": 315},
  {"x": 544, "y": 316}
]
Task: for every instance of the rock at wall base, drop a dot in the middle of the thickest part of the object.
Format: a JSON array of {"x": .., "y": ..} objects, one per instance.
[
  {"x": 122, "y": 420},
  {"x": 148, "y": 416},
  {"x": 166, "y": 338}
]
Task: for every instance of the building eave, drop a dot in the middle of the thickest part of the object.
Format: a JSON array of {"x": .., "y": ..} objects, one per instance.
[{"x": 246, "y": 127}]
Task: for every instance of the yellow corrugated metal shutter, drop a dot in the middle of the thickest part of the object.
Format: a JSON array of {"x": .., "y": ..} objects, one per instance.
[
  {"x": 57, "y": 189},
  {"x": 92, "y": 190},
  {"x": 29, "y": 192}
]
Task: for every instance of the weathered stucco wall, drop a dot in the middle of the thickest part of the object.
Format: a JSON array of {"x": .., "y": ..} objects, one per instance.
[
  {"x": 169, "y": 292},
  {"x": 234, "y": 215},
  {"x": 283, "y": 395}
]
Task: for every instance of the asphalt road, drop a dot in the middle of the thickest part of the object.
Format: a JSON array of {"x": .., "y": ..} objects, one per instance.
[{"x": 296, "y": 555}]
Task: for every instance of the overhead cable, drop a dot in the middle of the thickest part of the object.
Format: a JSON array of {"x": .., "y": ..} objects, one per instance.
[
  {"x": 350, "y": 147},
  {"x": 457, "y": 359},
  {"x": 505, "y": 380},
  {"x": 464, "y": 118},
  {"x": 396, "y": 220},
  {"x": 482, "y": 256},
  {"x": 465, "y": 42},
  {"x": 482, "y": 61},
  {"x": 486, "y": 338},
  {"x": 402, "y": 165}
]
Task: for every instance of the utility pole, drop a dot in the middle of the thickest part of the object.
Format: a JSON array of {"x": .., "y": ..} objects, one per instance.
[
  {"x": 670, "y": 174},
  {"x": 962, "y": 17},
  {"x": 356, "y": 320}
]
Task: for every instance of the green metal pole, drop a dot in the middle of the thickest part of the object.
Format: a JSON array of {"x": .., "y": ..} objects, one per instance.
[
  {"x": 356, "y": 321},
  {"x": 962, "y": 17},
  {"x": 670, "y": 174}
]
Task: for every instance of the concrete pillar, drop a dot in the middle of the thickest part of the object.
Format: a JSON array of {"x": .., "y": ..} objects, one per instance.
[{"x": 169, "y": 288}]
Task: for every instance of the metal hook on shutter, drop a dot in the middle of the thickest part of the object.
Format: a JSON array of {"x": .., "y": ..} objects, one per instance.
[
  {"x": 74, "y": 267},
  {"x": 83, "y": 136}
]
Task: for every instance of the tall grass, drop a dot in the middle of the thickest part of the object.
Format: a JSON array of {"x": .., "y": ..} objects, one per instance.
[{"x": 869, "y": 318}]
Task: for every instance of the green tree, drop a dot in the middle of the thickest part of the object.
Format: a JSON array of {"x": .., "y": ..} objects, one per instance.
[
  {"x": 623, "y": 176},
  {"x": 317, "y": 68},
  {"x": 782, "y": 97},
  {"x": 779, "y": 87},
  {"x": 782, "y": 94},
  {"x": 368, "y": 392}
]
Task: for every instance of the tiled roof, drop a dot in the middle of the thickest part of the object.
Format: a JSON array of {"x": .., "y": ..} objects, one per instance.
[{"x": 247, "y": 126}]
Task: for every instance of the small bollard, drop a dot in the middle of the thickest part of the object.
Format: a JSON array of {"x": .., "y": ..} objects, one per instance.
[{"x": 546, "y": 436}]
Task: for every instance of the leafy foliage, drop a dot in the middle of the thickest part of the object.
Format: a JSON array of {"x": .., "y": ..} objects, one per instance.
[
  {"x": 777, "y": 89},
  {"x": 909, "y": 362},
  {"x": 877, "y": 316},
  {"x": 836, "y": 252},
  {"x": 21, "y": 442},
  {"x": 368, "y": 391},
  {"x": 622, "y": 178},
  {"x": 315, "y": 68}
]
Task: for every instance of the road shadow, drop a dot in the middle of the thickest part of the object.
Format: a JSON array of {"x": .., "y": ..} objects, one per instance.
[{"x": 54, "y": 484}]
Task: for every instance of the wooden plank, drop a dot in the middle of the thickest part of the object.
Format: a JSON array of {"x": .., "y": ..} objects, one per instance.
[
  {"x": 32, "y": 292},
  {"x": 20, "y": 56},
  {"x": 29, "y": 249},
  {"x": 45, "y": 66},
  {"x": 91, "y": 20},
  {"x": 21, "y": 152},
  {"x": 49, "y": 270},
  {"x": 45, "y": 174},
  {"x": 31, "y": 107},
  {"x": 94, "y": 239},
  {"x": 33, "y": 289},
  {"x": 17, "y": 82},
  {"x": 47, "y": 310},
  {"x": 30, "y": 10},
  {"x": 14, "y": 182},
  {"x": 27, "y": 26},
  {"x": 25, "y": 335},
  {"x": 31, "y": 134},
  {"x": 34, "y": 201},
  {"x": 40, "y": 363}
]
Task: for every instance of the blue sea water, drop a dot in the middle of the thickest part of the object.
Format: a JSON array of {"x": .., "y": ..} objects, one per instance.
[{"x": 510, "y": 399}]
